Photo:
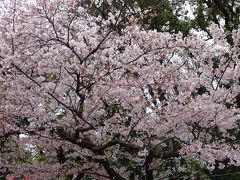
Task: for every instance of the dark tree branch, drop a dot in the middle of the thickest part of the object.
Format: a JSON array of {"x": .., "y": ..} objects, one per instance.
[
  {"x": 148, "y": 170},
  {"x": 54, "y": 97},
  {"x": 112, "y": 173},
  {"x": 8, "y": 134},
  {"x": 166, "y": 155},
  {"x": 105, "y": 37}
]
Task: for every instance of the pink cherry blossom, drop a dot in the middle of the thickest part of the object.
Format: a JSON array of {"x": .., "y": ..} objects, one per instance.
[{"x": 80, "y": 96}]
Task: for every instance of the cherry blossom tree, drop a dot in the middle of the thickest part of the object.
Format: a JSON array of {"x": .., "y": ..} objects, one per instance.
[{"x": 85, "y": 99}]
